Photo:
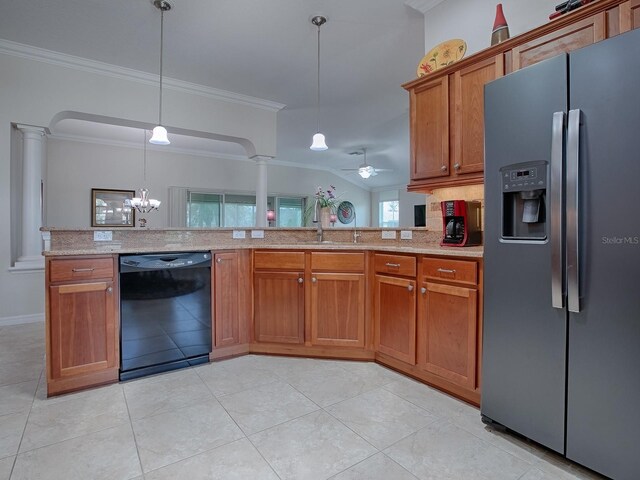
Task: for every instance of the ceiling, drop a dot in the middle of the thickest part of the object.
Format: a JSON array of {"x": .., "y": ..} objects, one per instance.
[{"x": 265, "y": 49}]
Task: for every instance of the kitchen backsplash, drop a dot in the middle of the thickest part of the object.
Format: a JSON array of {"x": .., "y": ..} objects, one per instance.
[{"x": 434, "y": 213}]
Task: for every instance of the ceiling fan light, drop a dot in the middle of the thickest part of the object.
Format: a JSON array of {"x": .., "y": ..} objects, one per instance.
[
  {"x": 318, "y": 144},
  {"x": 366, "y": 172},
  {"x": 159, "y": 136}
]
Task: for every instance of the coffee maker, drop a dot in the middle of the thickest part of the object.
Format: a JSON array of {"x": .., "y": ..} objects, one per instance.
[{"x": 461, "y": 223}]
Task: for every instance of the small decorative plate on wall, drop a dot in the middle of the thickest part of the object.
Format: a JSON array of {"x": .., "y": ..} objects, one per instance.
[
  {"x": 442, "y": 56},
  {"x": 346, "y": 212}
]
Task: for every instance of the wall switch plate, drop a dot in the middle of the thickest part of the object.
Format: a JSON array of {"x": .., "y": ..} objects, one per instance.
[
  {"x": 257, "y": 233},
  {"x": 406, "y": 234},
  {"x": 103, "y": 236},
  {"x": 388, "y": 234},
  {"x": 239, "y": 234}
]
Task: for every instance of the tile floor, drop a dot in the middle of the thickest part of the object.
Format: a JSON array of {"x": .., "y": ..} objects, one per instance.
[{"x": 253, "y": 417}]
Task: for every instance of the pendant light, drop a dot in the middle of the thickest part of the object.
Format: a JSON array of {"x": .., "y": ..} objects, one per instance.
[
  {"x": 143, "y": 203},
  {"x": 159, "y": 136},
  {"x": 318, "y": 143}
]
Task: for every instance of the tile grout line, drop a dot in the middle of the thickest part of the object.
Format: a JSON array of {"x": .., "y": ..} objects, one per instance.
[
  {"x": 240, "y": 428},
  {"x": 133, "y": 432}
]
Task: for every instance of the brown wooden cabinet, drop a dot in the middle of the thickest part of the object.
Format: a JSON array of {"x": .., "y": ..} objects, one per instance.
[
  {"x": 337, "y": 299},
  {"x": 395, "y": 308},
  {"x": 82, "y": 323},
  {"x": 571, "y": 37},
  {"x": 231, "y": 301},
  {"x": 447, "y": 126},
  {"x": 278, "y": 283},
  {"x": 448, "y": 323},
  {"x": 447, "y": 109}
]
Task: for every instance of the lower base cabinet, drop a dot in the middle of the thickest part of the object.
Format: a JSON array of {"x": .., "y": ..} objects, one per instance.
[
  {"x": 279, "y": 307},
  {"x": 231, "y": 299},
  {"x": 337, "y": 309},
  {"x": 82, "y": 323},
  {"x": 395, "y": 317},
  {"x": 447, "y": 325}
]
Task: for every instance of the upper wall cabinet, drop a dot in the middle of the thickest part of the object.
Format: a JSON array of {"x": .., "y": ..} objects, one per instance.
[{"x": 447, "y": 106}]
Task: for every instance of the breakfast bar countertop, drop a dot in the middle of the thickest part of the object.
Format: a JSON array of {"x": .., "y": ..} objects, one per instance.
[{"x": 67, "y": 242}]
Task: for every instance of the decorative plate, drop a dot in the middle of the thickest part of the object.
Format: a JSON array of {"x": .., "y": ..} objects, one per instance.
[
  {"x": 441, "y": 56},
  {"x": 346, "y": 212}
]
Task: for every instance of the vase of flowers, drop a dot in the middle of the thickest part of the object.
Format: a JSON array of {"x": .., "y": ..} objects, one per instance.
[{"x": 328, "y": 201}]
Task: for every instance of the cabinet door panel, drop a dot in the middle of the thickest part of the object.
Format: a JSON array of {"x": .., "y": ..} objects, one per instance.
[
  {"x": 226, "y": 288},
  {"x": 574, "y": 36},
  {"x": 279, "y": 307},
  {"x": 447, "y": 346},
  {"x": 469, "y": 84},
  {"x": 430, "y": 130},
  {"x": 337, "y": 309},
  {"x": 395, "y": 318},
  {"x": 83, "y": 333}
]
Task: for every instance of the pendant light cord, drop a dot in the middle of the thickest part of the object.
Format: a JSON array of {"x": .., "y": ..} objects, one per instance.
[
  {"x": 318, "y": 92},
  {"x": 144, "y": 157},
  {"x": 161, "y": 55}
]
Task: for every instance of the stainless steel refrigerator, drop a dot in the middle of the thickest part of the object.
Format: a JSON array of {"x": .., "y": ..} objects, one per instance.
[{"x": 561, "y": 361}]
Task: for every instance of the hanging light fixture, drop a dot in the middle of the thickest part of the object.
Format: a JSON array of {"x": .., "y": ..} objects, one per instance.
[
  {"x": 365, "y": 170},
  {"x": 318, "y": 143},
  {"x": 159, "y": 136},
  {"x": 143, "y": 203}
]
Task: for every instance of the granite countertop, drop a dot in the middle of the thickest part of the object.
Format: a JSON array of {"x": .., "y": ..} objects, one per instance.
[{"x": 69, "y": 241}]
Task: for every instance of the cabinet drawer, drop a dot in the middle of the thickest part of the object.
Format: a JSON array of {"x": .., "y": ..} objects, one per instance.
[
  {"x": 278, "y": 260},
  {"x": 395, "y": 265},
  {"x": 62, "y": 270},
  {"x": 337, "y": 262},
  {"x": 458, "y": 271}
]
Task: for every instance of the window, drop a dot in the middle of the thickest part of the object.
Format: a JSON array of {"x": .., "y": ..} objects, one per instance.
[
  {"x": 210, "y": 210},
  {"x": 388, "y": 213},
  {"x": 203, "y": 210},
  {"x": 289, "y": 211},
  {"x": 239, "y": 210}
]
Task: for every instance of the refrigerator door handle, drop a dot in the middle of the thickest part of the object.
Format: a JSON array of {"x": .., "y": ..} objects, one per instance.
[
  {"x": 557, "y": 224},
  {"x": 573, "y": 210}
]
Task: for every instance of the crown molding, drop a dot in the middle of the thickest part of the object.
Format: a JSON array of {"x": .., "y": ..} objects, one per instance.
[
  {"x": 29, "y": 52},
  {"x": 423, "y": 6}
]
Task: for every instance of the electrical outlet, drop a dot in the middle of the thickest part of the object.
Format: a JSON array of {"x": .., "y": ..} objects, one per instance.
[
  {"x": 239, "y": 234},
  {"x": 257, "y": 233},
  {"x": 388, "y": 234},
  {"x": 406, "y": 234},
  {"x": 100, "y": 236}
]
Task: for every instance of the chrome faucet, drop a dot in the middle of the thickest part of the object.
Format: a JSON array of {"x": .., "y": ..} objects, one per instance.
[
  {"x": 317, "y": 218},
  {"x": 355, "y": 227}
]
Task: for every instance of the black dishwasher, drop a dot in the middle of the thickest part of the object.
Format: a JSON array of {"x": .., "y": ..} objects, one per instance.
[{"x": 165, "y": 312}]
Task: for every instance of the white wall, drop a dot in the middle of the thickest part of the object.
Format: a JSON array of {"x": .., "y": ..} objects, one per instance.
[
  {"x": 473, "y": 20},
  {"x": 406, "y": 202},
  {"x": 36, "y": 92},
  {"x": 119, "y": 167}
]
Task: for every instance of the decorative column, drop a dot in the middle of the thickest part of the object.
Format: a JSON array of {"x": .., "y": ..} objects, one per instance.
[
  {"x": 261, "y": 191},
  {"x": 33, "y": 155}
]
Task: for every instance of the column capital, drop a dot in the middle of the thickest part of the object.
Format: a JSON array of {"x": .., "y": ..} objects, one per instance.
[
  {"x": 32, "y": 129},
  {"x": 261, "y": 158}
]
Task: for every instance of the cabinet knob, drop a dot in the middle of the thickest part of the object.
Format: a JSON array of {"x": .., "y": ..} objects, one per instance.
[
  {"x": 218, "y": 260},
  {"x": 300, "y": 280},
  {"x": 423, "y": 290},
  {"x": 110, "y": 289},
  {"x": 456, "y": 166},
  {"x": 410, "y": 288},
  {"x": 314, "y": 279},
  {"x": 443, "y": 168}
]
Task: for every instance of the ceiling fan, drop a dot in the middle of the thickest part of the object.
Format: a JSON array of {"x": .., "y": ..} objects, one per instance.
[{"x": 365, "y": 170}]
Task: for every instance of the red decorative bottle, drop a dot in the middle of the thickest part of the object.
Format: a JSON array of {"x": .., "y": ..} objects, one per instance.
[{"x": 500, "y": 28}]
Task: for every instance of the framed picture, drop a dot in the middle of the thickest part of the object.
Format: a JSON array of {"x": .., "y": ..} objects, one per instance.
[{"x": 112, "y": 208}]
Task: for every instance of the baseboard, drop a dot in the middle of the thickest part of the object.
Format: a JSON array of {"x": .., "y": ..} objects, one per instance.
[{"x": 21, "y": 319}]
